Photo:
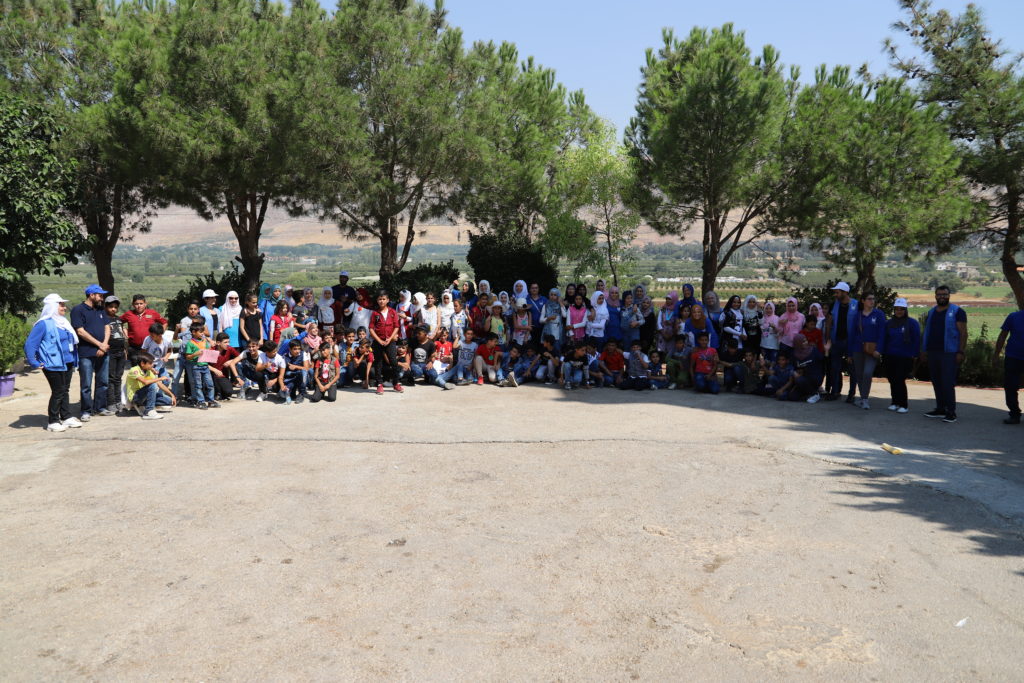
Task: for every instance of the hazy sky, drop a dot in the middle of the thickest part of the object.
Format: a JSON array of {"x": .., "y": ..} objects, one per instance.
[{"x": 598, "y": 45}]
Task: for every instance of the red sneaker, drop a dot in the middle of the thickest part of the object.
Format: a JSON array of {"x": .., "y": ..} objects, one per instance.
[
  {"x": 380, "y": 389},
  {"x": 480, "y": 380},
  {"x": 398, "y": 387}
]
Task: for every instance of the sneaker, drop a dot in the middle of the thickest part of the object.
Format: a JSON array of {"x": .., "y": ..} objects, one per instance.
[
  {"x": 56, "y": 427},
  {"x": 865, "y": 404},
  {"x": 106, "y": 412},
  {"x": 950, "y": 418},
  {"x": 672, "y": 386},
  {"x": 85, "y": 417},
  {"x": 463, "y": 383},
  {"x": 1012, "y": 420},
  {"x": 300, "y": 398},
  {"x": 548, "y": 381},
  {"x": 202, "y": 406},
  {"x": 380, "y": 389},
  {"x": 399, "y": 388},
  {"x": 287, "y": 400},
  {"x": 850, "y": 398},
  {"x": 72, "y": 423},
  {"x": 163, "y": 409},
  {"x": 855, "y": 402},
  {"x": 479, "y": 381},
  {"x": 261, "y": 397},
  {"x": 935, "y": 413},
  {"x": 814, "y": 399},
  {"x": 892, "y": 407},
  {"x": 152, "y": 415},
  {"x": 448, "y": 385},
  {"x": 512, "y": 381},
  {"x": 901, "y": 410},
  {"x": 214, "y": 404},
  {"x": 568, "y": 386}
]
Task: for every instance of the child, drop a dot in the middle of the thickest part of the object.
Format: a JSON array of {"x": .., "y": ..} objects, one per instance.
[
  {"x": 294, "y": 378},
  {"x": 751, "y": 372},
  {"x": 575, "y": 367},
  {"x": 552, "y": 316},
  {"x": 361, "y": 335},
  {"x": 527, "y": 367},
  {"x": 496, "y": 323},
  {"x": 247, "y": 366},
  {"x": 144, "y": 389},
  {"x": 383, "y": 327},
  {"x": 522, "y": 326},
  {"x": 778, "y": 377},
  {"x": 403, "y": 367},
  {"x": 202, "y": 380},
  {"x": 182, "y": 333},
  {"x": 658, "y": 376},
  {"x": 704, "y": 365},
  {"x": 770, "y": 333},
  {"x": 637, "y": 369},
  {"x": 273, "y": 367},
  {"x": 611, "y": 363},
  {"x": 282, "y": 324},
  {"x": 156, "y": 346},
  {"x": 488, "y": 360},
  {"x": 362, "y": 362},
  {"x": 548, "y": 367},
  {"x": 251, "y": 321},
  {"x": 731, "y": 360},
  {"x": 325, "y": 376},
  {"x": 224, "y": 377},
  {"x": 813, "y": 334},
  {"x": 117, "y": 353},
  {"x": 678, "y": 361},
  {"x": 466, "y": 349},
  {"x": 459, "y": 321},
  {"x": 509, "y": 362}
]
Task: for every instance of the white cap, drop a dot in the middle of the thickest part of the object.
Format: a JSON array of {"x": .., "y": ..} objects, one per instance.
[
  {"x": 841, "y": 286},
  {"x": 208, "y": 293},
  {"x": 521, "y": 303},
  {"x": 343, "y": 273},
  {"x": 54, "y": 299},
  {"x": 900, "y": 303}
]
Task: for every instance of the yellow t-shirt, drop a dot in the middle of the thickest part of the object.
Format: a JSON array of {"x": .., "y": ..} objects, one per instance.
[{"x": 134, "y": 384}]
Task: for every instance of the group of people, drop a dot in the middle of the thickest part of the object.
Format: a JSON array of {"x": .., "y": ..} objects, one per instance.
[{"x": 296, "y": 346}]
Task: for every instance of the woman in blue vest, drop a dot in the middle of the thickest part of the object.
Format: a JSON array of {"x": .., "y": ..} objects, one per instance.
[
  {"x": 865, "y": 336},
  {"x": 899, "y": 346},
  {"x": 53, "y": 345}
]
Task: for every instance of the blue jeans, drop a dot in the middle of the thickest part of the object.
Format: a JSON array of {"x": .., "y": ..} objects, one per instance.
[
  {"x": 149, "y": 397},
  {"x": 439, "y": 378},
  {"x": 733, "y": 376},
  {"x": 295, "y": 381},
  {"x": 88, "y": 368},
  {"x": 706, "y": 384},
  {"x": 463, "y": 372},
  {"x": 572, "y": 375},
  {"x": 942, "y": 368},
  {"x": 202, "y": 382}
]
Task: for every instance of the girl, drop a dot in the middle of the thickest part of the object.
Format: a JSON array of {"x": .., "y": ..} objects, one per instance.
[
  {"x": 405, "y": 313},
  {"x": 790, "y": 324},
  {"x": 430, "y": 315},
  {"x": 649, "y": 327},
  {"x": 597, "y": 318},
  {"x": 305, "y": 308},
  {"x": 570, "y": 293},
  {"x": 251, "y": 327},
  {"x": 551, "y": 317},
  {"x": 459, "y": 321},
  {"x": 496, "y": 323},
  {"x": 325, "y": 313},
  {"x": 282, "y": 324},
  {"x": 867, "y": 332},
  {"x": 447, "y": 308},
  {"x": 270, "y": 297},
  {"x": 359, "y": 312},
  {"x": 53, "y": 345},
  {"x": 732, "y": 322},
  {"x": 325, "y": 377},
  {"x": 630, "y": 321},
  {"x": 519, "y": 291},
  {"x": 770, "y": 333},
  {"x": 506, "y": 307},
  {"x": 576, "y": 319},
  {"x": 522, "y": 328},
  {"x": 230, "y": 320},
  {"x": 900, "y": 343},
  {"x": 817, "y": 315},
  {"x": 813, "y": 335},
  {"x": 752, "y": 319},
  {"x": 667, "y": 322}
]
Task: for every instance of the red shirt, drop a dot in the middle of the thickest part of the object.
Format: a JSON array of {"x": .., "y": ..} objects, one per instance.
[
  {"x": 224, "y": 357},
  {"x": 384, "y": 324},
  {"x": 489, "y": 355},
  {"x": 815, "y": 338},
  {"x": 138, "y": 325},
  {"x": 614, "y": 362},
  {"x": 705, "y": 360}
]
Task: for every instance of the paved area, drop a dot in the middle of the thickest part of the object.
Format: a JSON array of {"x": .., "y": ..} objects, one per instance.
[{"x": 525, "y": 534}]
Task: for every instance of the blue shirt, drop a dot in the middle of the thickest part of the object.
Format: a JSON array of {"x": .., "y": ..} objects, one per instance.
[
  {"x": 1014, "y": 324},
  {"x": 92, "y": 320},
  {"x": 867, "y": 328},
  {"x": 935, "y": 335},
  {"x": 901, "y": 337}
]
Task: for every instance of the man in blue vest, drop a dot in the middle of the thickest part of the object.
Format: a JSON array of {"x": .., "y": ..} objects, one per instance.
[
  {"x": 841, "y": 319},
  {"x": 942, "y": 347},
  {"x": 1013, "y": 327}
]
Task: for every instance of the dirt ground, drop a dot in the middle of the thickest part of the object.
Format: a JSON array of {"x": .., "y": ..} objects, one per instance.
[{"x": 523, "y": 534}]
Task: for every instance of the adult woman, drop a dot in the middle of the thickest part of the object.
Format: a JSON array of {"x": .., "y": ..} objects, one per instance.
[
  {"x": 468, "y": 295},
  {"x": 270, "y": 297},
  {"x": 900, "y": 344},
  {"x": 597, "y": 318},
  {"x": 649, "y": 327},
  {"x": 230, "y": 319},
  {"x": 53, "y": 345},
  {"x": 770, "y": 333},
  {"x": 630, "y": 321},
  {"x": 790, "y": 324},
  {"x": 576, "y": 318},
  {"x": 713, "y": 309},
  {"x": 688, "y": 299},
  {"x": 752, "y": 317},
  {"x": 613, "y": 328},
  {"x": 667, "y": 322},
  {"x": 732, "y": 322},
  {"x": 868, "y": 328},
  {"x": 699, "y": 322}
]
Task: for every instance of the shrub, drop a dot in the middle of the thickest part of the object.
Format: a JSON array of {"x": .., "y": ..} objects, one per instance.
[
  {"x": 426, "y": 277},
  {"x": 13, "y": 332},
  {"x": 229, "y": 280},
  {"x": 501, "y": 260}
]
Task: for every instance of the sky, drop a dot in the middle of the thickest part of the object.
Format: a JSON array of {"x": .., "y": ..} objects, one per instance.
[{"x": 598, "y": 45}]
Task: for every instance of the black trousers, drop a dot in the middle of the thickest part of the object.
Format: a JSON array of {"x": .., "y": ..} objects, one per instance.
[
  {"x": 330, "y": 395},
  {"x": 1014, "y": 367},
  {"x": 379, "y": 354},
  {"x": 222, "y": 387},
  {"x": 59, "y": 408},
  {"x": 897, "y": 370},
  {"x": 116, "y": 365}
]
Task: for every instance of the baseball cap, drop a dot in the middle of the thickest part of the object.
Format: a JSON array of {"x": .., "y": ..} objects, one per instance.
[
  {"x": 208, "y": 293},
  {"x": 900, "y": 303},
  {"x": 343, "y": 273},
  {"x": 54, "y": 299},
  {"x": 94, "y": 289},
  {"x": 841, "y": 286},
  {"x": 111, "y": 299}
]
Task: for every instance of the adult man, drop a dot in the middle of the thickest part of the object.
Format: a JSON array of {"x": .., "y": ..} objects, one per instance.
[
  {"x": 942, "y": 347},
  {"x": 1013, "y": 366},
  {"x": 841, "y": 319},
  {"x": 536, "y": 302},
  {"x": 139, "y": 319},
  {"x": 343, "y": 294},
  {"x": 90, "y": 322}
]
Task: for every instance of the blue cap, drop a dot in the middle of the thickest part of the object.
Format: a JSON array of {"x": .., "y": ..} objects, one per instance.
[{"x": 94, "y": 289}]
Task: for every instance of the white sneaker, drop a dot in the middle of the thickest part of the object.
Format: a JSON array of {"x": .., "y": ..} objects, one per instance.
[
  {"x": 72, "y": 423},
  {"x": 892, "y": 407},
  {"x": 152, "y": 415},
  {"x": 672, "y": 386},
  {"x": 512, "y": 382},
  {"x": 163, "y": 409},
  {"x": 901, "y": 410},
  {"x": 865, "y": 404},
  {"x": 814, "y": 399},
  {"x": 262, "y": 397},
  {"x": 56, "y": 427}
]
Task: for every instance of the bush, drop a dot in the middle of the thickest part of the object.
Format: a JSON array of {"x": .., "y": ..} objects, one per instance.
[
  {"x": 13, "y": 332},
  {"x": 426, "y": 277},
  {"x": 501, "y": 260},
  {"x": 978, "y": 368},
  {"x": 177, "y": 307}
]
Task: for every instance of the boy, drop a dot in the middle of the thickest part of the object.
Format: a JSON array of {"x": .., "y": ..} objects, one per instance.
[
  {"x": 751, "y": 373},
  {"x": 202, "y": 380},
  {"x": 155, "y": 346},
  {"x": 362, "y": 362},
  {"x": 403, "y": 364},
  {"x": 777, "y": 378},
  {"x": 293, "y": 379},
  {"x": 117, "y": 354},
  {"x": 656, "y": 371},
  {"x": 575, "y": 368},
  {"x": 224, "y": 376},
  {"x": 704, "y": 365},
  {"x": 466, "y": 348},
  {"x": 637, "y": 369},
  {"x": 145, "y": 389},
  {"x": 441, "y": 369},
  {"x": 384, "y": 331},
  {"x": 549, "y": 361},
  {"x": 247, "y": 366},
  {"x": 678, "y": 361},
  {"x": 731, "y": 359},
  {"x": 488, "y": 361},
  {"x": 611, "y": 363},
  {"x": 272, "y": 366},
  {"x": 511, "y": 361}
]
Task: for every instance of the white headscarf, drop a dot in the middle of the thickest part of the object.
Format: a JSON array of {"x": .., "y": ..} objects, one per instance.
[
  {"x": 749, "y": 313},
  {"x": 51, "y": 312},
  {"x": 601, "y": 310},
  {"x": 420, "y": 298},
  {"x": 324, "y": 304},
  {"x": 484, "y": 288},
  {"x": 229, "y": 312},
  {"x": 520, "y": 290},
  {"x": 447, "y": 308}
]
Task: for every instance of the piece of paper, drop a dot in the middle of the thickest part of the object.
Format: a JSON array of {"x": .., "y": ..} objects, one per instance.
[{"x": 209, "y": 356}]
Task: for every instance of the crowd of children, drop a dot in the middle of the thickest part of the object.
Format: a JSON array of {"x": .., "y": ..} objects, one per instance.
[{"x": 291, "y": 346}]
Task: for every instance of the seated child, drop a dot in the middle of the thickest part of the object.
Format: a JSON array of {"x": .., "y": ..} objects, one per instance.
[
  {"x": 488, "y": 360},
  {"x": 272, "y": 366},
  {"x": 247, "y": 366},
  {"x": 751, "y": 372},
  {"x": 678, "y": 361},
  {"x": 611, "y": 363},
  {"x": 658, "y": 375},
  {"x": 575, "y": 367},
  {"x": 224, "y": 376},
  {"x": 466, "y": 353},
  {"x": 731, "y": 361},
  {"x": 704, "y": 365},
  {"x": 778, "y": 376},
  {"x": 294, "y": 377},
  {"x": 548, "y": 367},
  {"x": 637, "y": 370},
  {"x": 403, "y": 360},
  {"x": 145, "y": 389},
  {"x": 326, "y": 371}
]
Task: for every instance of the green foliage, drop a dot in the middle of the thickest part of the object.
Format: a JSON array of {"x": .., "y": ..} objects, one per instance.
[
  {"x": 177, "y": 307},
  {"x": 426, "y": 277},
  {"x": 503, "y": 258},
  {"x": 704, "y": 143},
  {"x": 36, "y": 235},
  {"x": 978, "y": 368},
  {"x": 805, "y": 296},
  {"x": 13, "y": 332},
  {"x": 874, "y": 173}
]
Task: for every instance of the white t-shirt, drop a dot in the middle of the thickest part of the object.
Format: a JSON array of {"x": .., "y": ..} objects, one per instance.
[
  {"x": 274, "y": 364},
  {"x": 157, "y": 349},
  {"x": 360, "y": 316}
]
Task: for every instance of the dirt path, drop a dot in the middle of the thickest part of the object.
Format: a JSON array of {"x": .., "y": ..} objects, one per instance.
[{"x": 596, "y": 535}]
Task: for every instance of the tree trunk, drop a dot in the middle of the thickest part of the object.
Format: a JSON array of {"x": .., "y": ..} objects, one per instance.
[
  {"x": 611, "y": 260},
  {"x": 388, "y": 232},
  {"x": 865, "y": 279},
  {"x": 709, "y": 260},
  {"x": 246, "y": 212},
  {"x": 102, "y": 258},
  {"x": 1012, "y": 244}
]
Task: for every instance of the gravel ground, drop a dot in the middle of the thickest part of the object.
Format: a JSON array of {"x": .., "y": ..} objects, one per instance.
[{"x": 494, "y": 534}]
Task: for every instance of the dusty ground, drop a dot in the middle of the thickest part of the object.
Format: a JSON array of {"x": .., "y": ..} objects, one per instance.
[{"x": 492, "y": 534}]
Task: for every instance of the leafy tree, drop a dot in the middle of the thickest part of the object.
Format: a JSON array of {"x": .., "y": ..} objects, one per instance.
[
  {"x": 873, "y": 174},
  {"x": 36, "y": 236},
  {"x": 503, "y": 258},
  {"x": 595, "y": 228},
  {"x": 227, "y": 281},
  {"x": 705, "y": 141},
  {"x": 980, "y": 89}
]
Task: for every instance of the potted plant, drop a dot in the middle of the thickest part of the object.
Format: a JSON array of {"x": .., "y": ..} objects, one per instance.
[{"x": 13, "y": 331}]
